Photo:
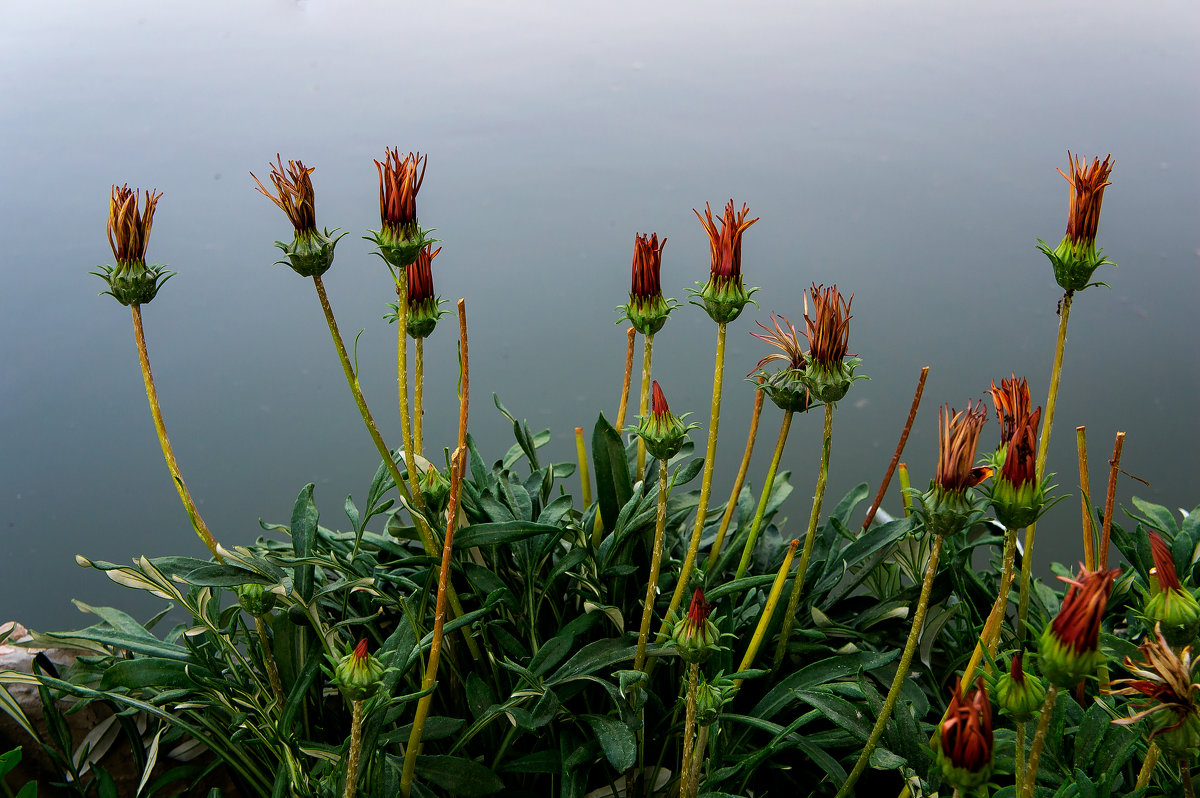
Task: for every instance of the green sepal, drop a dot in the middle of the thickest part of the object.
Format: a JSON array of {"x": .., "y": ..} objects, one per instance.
[
  {"x": 1074, "y": 264},
  {"x": 722, "y": 303},
  {"x": 399, "y": 250},
  {"x": 133, "y": 283},
  {"x": 310, "y": 255}
]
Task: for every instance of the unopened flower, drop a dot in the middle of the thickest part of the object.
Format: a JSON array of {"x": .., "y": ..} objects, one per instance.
[
  {"x": 1018, "y": 497},
  {"x": 964, "y": 738},
  {"x": 647, "y": 310},
  {"x": 711, "y": 697},
  {"x": 697, "y": 637},
  {"x": 424, "y": 309},
  {"x": 948, "y": 503},
  {"x": 1167, "y": 681},
  {"x": 831, "y": 368},
  {"x": 435, "y": 489},
  {"x": 1172, "y": 606},
  {"x": 310, "y": 253},
  {"x": 662, "y": 431},
  {"x": 1019, "y": 694},
  {"x": 1076, "y": 257},
  {"x": 131, "y": 281},
  {"x": 785, "y": 387},
  {"x": 399, "y": 237},
  {"x": 724, "y": 296},
  {"x": 1069, "y": 648},
  {"x": 358, "y": 674},
  {"x": 256, "y": 598}
]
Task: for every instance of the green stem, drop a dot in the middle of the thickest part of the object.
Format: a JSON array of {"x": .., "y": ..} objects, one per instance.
[
  {"x": 418, "y": 397},
  {"x": 1185, "y": 775},
  {"x": 406, "y": 433},
  {"x": 731, "y": 505},
  {"x": 655, "y": 561},
  {"x": 699, "y": 754},
  {"x": 910, "y": 648},
  {"x": 165, "y": 442},
  {"x": 710, "y": 456},
  {"x": 689, "y": 730},
  {"x": 1043, "y": 449},
  {"x": 768, "y": 483},
  {"x": 269, "y": 660},
  {"x": 789, "y": 617},
  {"x": 1143, "y": 777},
  {"x": 1039, "y": 740},
  {"x": 991, "y": 627},
  {"x": 644, "y": 404},
  {"x": 355, "y": 749},
  {"x": 1020, "y": 747}
]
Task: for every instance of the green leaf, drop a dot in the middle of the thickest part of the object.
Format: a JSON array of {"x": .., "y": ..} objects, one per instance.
[
  {"x": 145, "y": 643},
  {"x": 845, "y": 507},
  {"x": 304, "y": 533},
  {"x": 1154, "y": 515},
  {"x": 537, "y": 762},
  {"x": 1090, "y": 733},
  {"x": 458, "y": 775},
  {"x": 616, "y": 740},
  {"x": 843, "y": 714},
  {"x": 613, "y": 485},
  {"x": 214, "y": 575},
  {"x": 496, "y": 532},
  {"x": 602, "y": 654},
  {"x": 151, "y": 672},
  {"x": 8, "y": 761},
  {"x": 841, "y": 666}
]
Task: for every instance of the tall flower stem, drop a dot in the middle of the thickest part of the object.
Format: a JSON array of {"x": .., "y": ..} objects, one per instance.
[
  {"x": 457, "y": 467},
  {"x": 165, "y": 442},
  {"x": 355, "y": 751},
  {"x": 1043, "y": 447},
  {"x": 768, "y": 483},
  {"x": 406, "y": 433},
  {"x": 710, "y": 456},
  {"x": 381, "y": 447},
  {"x": 906, "y": 656},
  {"x": 269, "y": 660},
  {"x": 990, "y": 638},
  {"x": 689, "y": 732},
  {"x": 891, "y": 469},
  {"x": 1039, "y": 740},
  {"x": 644, "y": 404},
  {"x": 768, "y": 611},
  {"x": 731, "y": 506},
  {"x": 418, "y": 397},
  {"x": 655, "y": 562},
  {"x": 631, "y": 335}
]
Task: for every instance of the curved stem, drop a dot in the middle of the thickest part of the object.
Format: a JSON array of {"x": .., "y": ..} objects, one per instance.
[
  {"x": 891, "y": 469},
  {"x": 768, "y": 483},
  {"x": 165, "y": 442},
  {"x": 1039, "y": 740},
  {"x": 710, "y": 456},
  {"x": 660, "y": 524},
  {"x": 355, "y": 749},
  {"x": 644, "y": 404},
  {"x": 1043, "y": 449},
  {"x": 269, "y": 660},
  {"x": 418, "y": 397},
  {"x": 991, "y": 627},
  {"x": 910, "y": 648},
  {"x": 731, "y": 506}
]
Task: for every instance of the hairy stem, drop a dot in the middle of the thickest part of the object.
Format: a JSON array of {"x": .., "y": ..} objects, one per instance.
[
  {"x": 660, "y": 524},
  {"x": 910, "y": 647},
  {"x": 406, "y": 433},
  {"x": 689, "y": 731},
  {"x": 1039, "y": 740},
  {"x": 1143, "y": 777},
  {"x": 768, "y": 610},
  {"x": 269, "y": 660},
  {"x": 991, "y": 627},
  {"x": 165, "y": 442},
  {"x": 1110, "y": 499},
  {"x": 419, "y": 397},
  {"x": 731, "y": 506},
  {"x": 1085, "y": 497},
  {"x": 355, "y": 749},
  {"x": 1185, "y": 775},
  {"x": 818, "y": 498},
  {"x": 1020, "y": 768},
  {"x": 1043, "y": 448},
  {"x": 631, "y": 335},
  {"x": 768, "y": 483},
  {"x": 644, "y": 403}
]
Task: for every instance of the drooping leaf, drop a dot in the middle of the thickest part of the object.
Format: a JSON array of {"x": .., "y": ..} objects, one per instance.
[
  {"x": 613, "y": 485},
  {"x": 304, "y": 533},
  {"x": 616, "y": 739}
]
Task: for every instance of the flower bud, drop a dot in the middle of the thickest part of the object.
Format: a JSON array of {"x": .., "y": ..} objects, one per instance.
[
  {"x": 131, "y": 281},
  {"x": 256, "y": 599},
  {"x": 711, "y": 696},
  {"x": 662, "y": 431},
  {"x": 1076, "y": 257},
  {"x": 310, "y": 253},
  {"x": 400, "y": 238},
  {"x": 1017, "y": 497},
  {"x": 358, "y": 674},
  {"x": 724, "y": 296},
  {"x": 1172, "y": 605},
  {"x": 647, "y": 310},
  {"x": 964, "y": 739},
  {"x": 424, "y": 309},
  {"x": 830, "y": 371},
  {"x": 1069, "y": 647},
  {"x": 435, "y": 490},
  {"x": 948, "y": 503},
  {"x": 785, "y": 387},
  {"x": 697, "y": 637},
  {"x": 1019, "y": 694}
]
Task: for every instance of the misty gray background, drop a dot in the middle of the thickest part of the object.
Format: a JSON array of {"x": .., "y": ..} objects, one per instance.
[{"x": 905, "y": 151}]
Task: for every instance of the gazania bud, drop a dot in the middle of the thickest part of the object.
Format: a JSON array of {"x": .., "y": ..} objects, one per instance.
[
  {"x": 662, "y": 431},
  {"x": 647, "y": 310},
  {"x": 1172, "y": 605},
  {"x": 724, "y": 296},
  {"x": 1019, "y": 694},
  {"x": 424, "y": 309},
  {"x": 256, "y": 599},
  {"x": 310, "y": 253},
  {"x": 830, "y": 371},
  {"x": 435, "y": 490},
  {"x": 697, "y": 637},
  {"x": 711, "y": 696},
  {"x": 785, "y": 387},
  {"x": 964, "y": 738},
  {"x": 131, "y": 281},
  {"x": 358, "y": 674},
  {"x": 1069, "y": 648},
  {"x": 1017, "y": 497},
  {"x": 1076, "y": 257},
  {"x": 400, "y": 238},
  {"x": 948, "y": 503}
]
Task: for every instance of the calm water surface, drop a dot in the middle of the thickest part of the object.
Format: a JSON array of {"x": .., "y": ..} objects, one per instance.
[{"x": 906, "y": 152}]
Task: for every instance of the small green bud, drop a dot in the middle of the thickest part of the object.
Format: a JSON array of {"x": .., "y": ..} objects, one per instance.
[
  {"x": 711, "y": 697},
  {"x": 1019, "y": 694},
  {"x": 435, "y": 490},
  {"x": 662, "y": 431},
  {"x": 697, "y": 637},
  {"x": 310, "y": 254},
  {"x": 256, "y": 599},
  {"x": 358, "y": 674}
]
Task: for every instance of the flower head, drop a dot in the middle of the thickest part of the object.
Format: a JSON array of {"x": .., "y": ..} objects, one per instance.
[
  {"x": 724, "y": 296},
  {"x": 1171, "y": 605},
  {"x": 1017, "y": 496},
  {"x": 1069, "y": 648},
  {"x": 830, "y": 367},
  {"x": 1166, "y": 680},
  {"x": 696, "y": 636},
  {"x": 948, "y": 503},
  {"x": 964, "y": 738},
  {"x": 131, "y": 281},
  {"x": 310, "y": 254},
  {"x": 358, "y": 674},
  {"x": 400, "y": 238},
  {"x": 1019, "y": 694},
  {"x": 785, "y": 387},
  {"x": 1076, "y": 258},
  {"x": 256, "y": 598},
  {"x": 647, "y": 309},
  {"x": 424, "y": 309},
  {"x": 662, "y": 431}
]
